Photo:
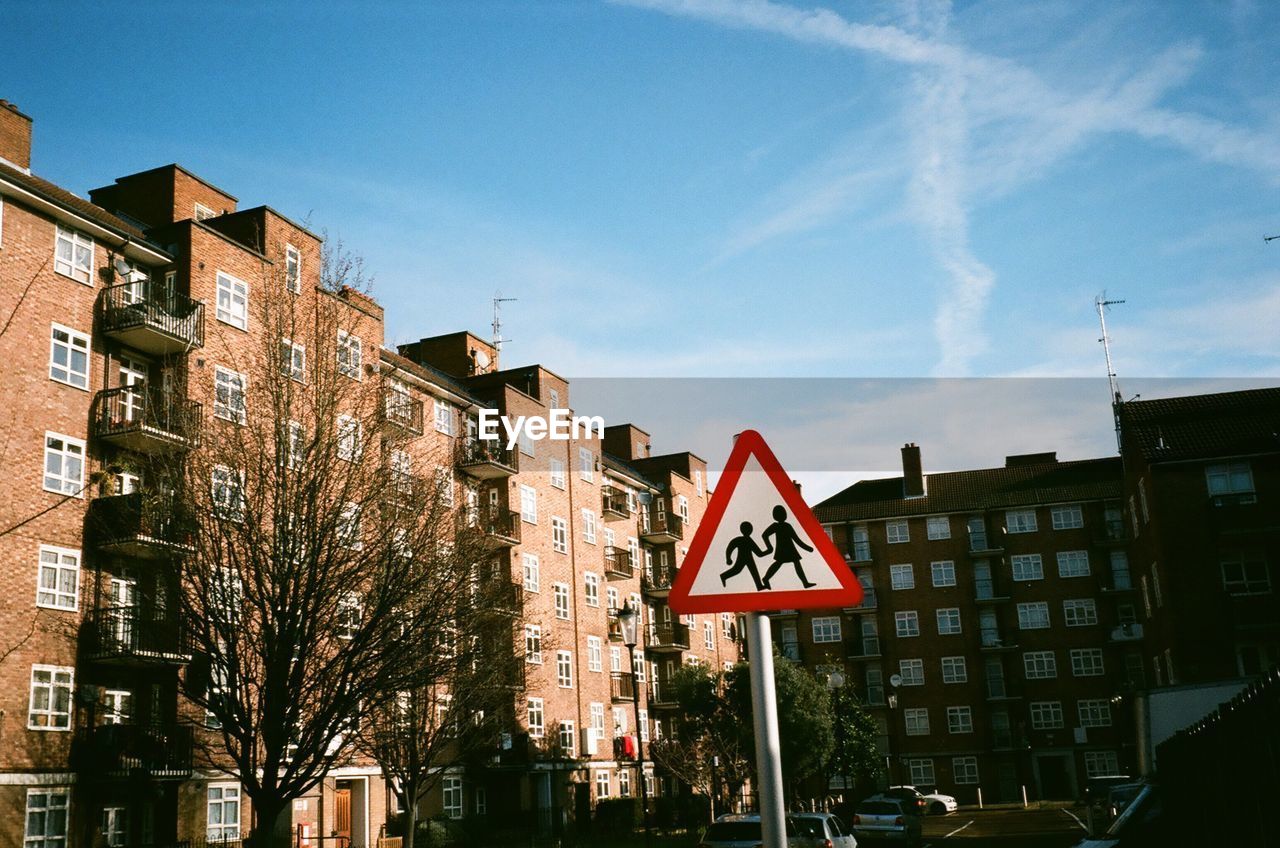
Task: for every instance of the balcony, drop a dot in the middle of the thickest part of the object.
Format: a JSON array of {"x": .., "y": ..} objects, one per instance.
[
  {"x": 1113, "y": 533},
  {"x": 662, "y": 696},
  {"x": 980, "y": 545},
  {"x": 150, "y": 319},
  {"x": 127, "y": 636},
  {"x": 622, "y": 686},
  {"x": 661, "y": 529},
  {"x": 998, "y": 689},
  {"x": 485, "y": 459},
  {"x": 140, "y": 526},
  {"x": 986, "y": 591},
  {"x": 146, "y": 420},
  {"x": 502, "y": 526},
  {"x": 502, "y": 598},
  {"x": 402, "y": 410},
  {"x": 658, "y": 583},
  {"x": 869, "y": 601},
  {"x": 1128, "y": 632},
  {"x": 993, "y": 641},
  {"x": 867, "y": 647},
  {"x": 617, "y": 563},
  {"x": 615, "y": 629},
  {"x": 614, "y": 505},
  {"x": 668, "y": 637},
  {"x": 121, "y": 751}
]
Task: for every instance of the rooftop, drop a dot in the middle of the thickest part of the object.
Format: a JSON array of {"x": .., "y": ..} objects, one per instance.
[{"x": 1203, "y": 426}]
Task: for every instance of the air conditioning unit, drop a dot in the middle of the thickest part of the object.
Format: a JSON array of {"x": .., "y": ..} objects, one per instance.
[{"x": 590, "y": 741}]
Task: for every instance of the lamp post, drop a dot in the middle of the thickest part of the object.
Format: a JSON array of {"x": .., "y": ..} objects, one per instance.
[
  {"x": 628, "y": 623},
  {"x": 895, "y": 681},
  {"x": 835, "y": 680}
]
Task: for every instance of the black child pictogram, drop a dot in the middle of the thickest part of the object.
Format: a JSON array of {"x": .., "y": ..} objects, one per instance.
[
  {"x": 783, "y": 546},
  {"x": 746, "y": 549}
]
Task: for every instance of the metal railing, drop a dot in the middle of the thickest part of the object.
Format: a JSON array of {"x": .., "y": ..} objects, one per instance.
[
  {"x": 402, "y": 410},
  {"x": 614, "y": 502},
  {"x": 622, "y": 686},
  {"x": 127, "y": 750},
  {"x": 140, "y": 518},
  {"x": 665, "y": 524},
  {"x": 617, "y": 562},
  {"x": 501, "y": 524},
  {"x": 147, "y": 411},
  {"x": 144, "y": 305},
  {"x": 659, "y": 580},
  {"x": 669, "y": 635},
  {"x": 124, "y": 633},
  {"x": 474, "y": 452}
]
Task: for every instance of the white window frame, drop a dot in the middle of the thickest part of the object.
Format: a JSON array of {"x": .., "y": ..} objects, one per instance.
[
  {"x": 568, "y": 733},
  {"x": 531, "y": 570},
  {"x": 591, "y": 588},
  {"x": 1094, "y": 712},
  {"x": 588, "y": 527},
  {"x": 74, "y": 267},
  {"x": 560, "y": 594},
  {"x": 1073, "y": 564},
  {"x": 1087, "y": 662},
  {"x": 959, "y": 719},
  {"x": 1046, "y": 715},
  {"x": 63, "y": 561},
  {"x": 952, "y": 620},
  {"x": 68, "y": 450},
  {"x": 559, "y": 535},
  {"x": 535, "y": 708},
  {"x": 528, "y": 504},
  {"x": 350, "y": 355},
  {"x": 53, "y": 809},
  {"x": 1067, "y": 516},
  {"x": 1027, "y": 567},
  {"x": 228, "y": 388},
  {"x": 232, "y": 301},
  {"x": 586, "y": 464},
  {"x": 1018, "y": 521},
  {"x": 559, "y": 479},
  {"x": 897, "y": 531},
  {"x": 1033, "y": 615},
  {"x": 443, "y": 412},
  {"x": 938, "y": 527},
  {"x": 916, "y": 721},
  {"x": 1100, "y": 763},
  {"x": 73, "y": 342},
  {"x": 292, "y": 269},
  {"x": 451, "y": 797},
  {"x": 943, "y": 572},
  {"x": 906, "y": 623},
  {"x": 350, "y": 438},
  {"x": 921, "y": 771},
  {"x": 227, "y": 493},
  {"x": 595, "y": 654},
  {"x": 533, "y": 644},
  {"x": 826, "y": 628},
  {"x": 1080, "y": 612},
  {"x": 911, "y": 671},
  {"x": 1229, "y": 478},
  {"x": 60, "y": 678},
  {"x": 1040, "y": 665},
  {"x": 564, "y": 669},
  {"x": 902, "y": 576},
  {"x": 955, "y": 670},
  {"x": 964, "y": 770},
  {"x": 293, "y": 360}
]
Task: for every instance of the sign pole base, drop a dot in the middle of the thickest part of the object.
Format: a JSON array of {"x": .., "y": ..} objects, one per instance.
[{"x": 764, "y": 707}]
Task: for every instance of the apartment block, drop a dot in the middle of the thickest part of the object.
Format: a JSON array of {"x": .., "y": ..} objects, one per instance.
[
  {"x": 997, "y": 627},
  {"x": 129, "y": 331}
]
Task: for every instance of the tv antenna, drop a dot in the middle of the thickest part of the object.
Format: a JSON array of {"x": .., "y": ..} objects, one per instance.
[
  {"x": 1270, "y": 238},
  {"x": 1102, "y": 305},
  {"x": 498, "y": 300}
]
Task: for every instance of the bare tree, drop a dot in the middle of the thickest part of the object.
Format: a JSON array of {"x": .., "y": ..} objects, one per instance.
[{"x": 323, "y": 567}]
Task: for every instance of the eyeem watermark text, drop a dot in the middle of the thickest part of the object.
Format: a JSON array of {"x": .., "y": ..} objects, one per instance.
[{"x": 560, "y": 426}]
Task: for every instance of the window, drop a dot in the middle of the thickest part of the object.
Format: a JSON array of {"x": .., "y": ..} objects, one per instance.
[
  {"x": 917, "y": 721},
  {"x": 453, "y": 797},
  {"x": 826, "y": 629},
  {"x": 597, "y": 720},
  {"x": 1101, "y": 763},
  {"x": 697, "y": 481},
  {"x": 907, "y": 623},
  {"x": 682, "y": 507},
  {"x": 1229, "y": 478},
  {"x": 1027, "y": 567},
  {"x": 229, "y": 395},
  {"x": 615, "y": 658},
  {"x": 349, "y": 438},
  {"x": 964, "y": 770},
  {"x": 944, "y": 573},
  {"x": 954, "y": 670},
  {"x": 293, "y": 360},
  {"x": 227, "y": 494},
  {"x": 564, "y": 669},
  {"x": 444, "y": 417},
  {"x": 1086, "y": 662},
  {"x": 68, "y": 356},
  {"x": 50, "y": 707},
  {"x": 535, "y": 717},
  {"x": 921, "y": 772},
  {"x": 58, "y": 582},
  {"x": 1245, "y": 575},
  {"x": 624, "y": 783},
  {"x": 561, "y": 592},
  {"x": 1033, "y": 616},
  {"x": 644, "y": 726},
  {"x": 897, "y": 532},
  {"x": 233, "y": 301},
  {"x": 531, "y": 577},
  {"x": 902, "y": 576},
  {"x": 726, "y": 624},
  {"x": 223, "y": 812},
  {"x": 526, "y": 443},
  {"x": 350, "y": 353},
  {"x": 911, "y": 672},
  {"x": 348, "y": 527},
  {"x": 589, "y": 526},
  {"x": 203, "y": 213},
  {"x": 1080, "y": 612},
  {"x": 611, "y": 598},
  {"x": 559, "y": 535},
  {"x": 1040, "y": 665},
  {"x": 948, "y": 621},
  {"x": 860, "y": 540},
  {"x": 47, "y": 818},
  {"x": 1046, "y": 715},
  {"x": 1020, "y": 520},
  {"x": 63, "y": 464},
  {"x": 602, "y": 783},
  {"x": 568, "y": 738},
  {"x": 959, "y": 720},
  {"x": 709, "y": 635},
  {"x": 528, "y": 504},
  {"x": 1094, "y": 712},
  {"x": 1073, "y": 563},
  {"x": 558, "y": 477},
  {"x": 350, "y": 612},
  {"x": 938, "y": 527},
  {"x": 533, "y": 644},
  {"x": 73, "y": 255},
  {"x": 1069, "y": 517},
  {"x": 595, "y": 654},
  {"x": 292, "y": 269},
  {"x": 591, "y": 588},
  {"x": 586, "y": 464}
]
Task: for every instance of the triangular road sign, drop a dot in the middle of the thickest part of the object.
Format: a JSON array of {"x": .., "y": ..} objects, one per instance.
[{"x": 759, "y": 546}]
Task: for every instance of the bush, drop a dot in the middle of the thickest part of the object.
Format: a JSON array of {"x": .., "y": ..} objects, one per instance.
[{"x": 617, "y": 816}]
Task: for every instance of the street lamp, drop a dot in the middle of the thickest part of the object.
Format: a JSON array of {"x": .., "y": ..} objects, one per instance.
[
  {"x": 895, "y": 681},
  {"x": 834, "y": 681},
  {"x": 628, "y": 623}
]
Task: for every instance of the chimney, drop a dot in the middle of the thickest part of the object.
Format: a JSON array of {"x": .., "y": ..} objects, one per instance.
[
  {"x": 912, "y": 472},
  {"x": 15, "y": 136}
]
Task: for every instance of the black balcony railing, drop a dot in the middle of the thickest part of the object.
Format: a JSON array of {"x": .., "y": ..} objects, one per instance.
[
  {"x": 992, "y": 638},
  {"x": 133, "y": 635},
  {"x": 614, "y": 504},
  {"x": 500, "y": 525},
  {"x": 115, "y": 751},
  {"x": 486, "y": 458},
  {"x": 658, "y": 581},
  {"x": 987, "y": 589},
  {"x": 617, "y": 563},
  {"x": 622, "y": 685},
  {"x": 663, "y": 527},
  {"x": 502, "y": 597},
  {"x": 669, "y": 636},
  {"x": 151, "y": 318},
  {"x": 146, "y": 419},
  {"x": 401, "y": 409},
  {"x": 141, "y": 524},
  {"x": 865, "y": 646}
]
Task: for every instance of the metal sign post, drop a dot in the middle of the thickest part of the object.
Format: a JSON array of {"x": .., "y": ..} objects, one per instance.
[{"x": 764, "y": 707}]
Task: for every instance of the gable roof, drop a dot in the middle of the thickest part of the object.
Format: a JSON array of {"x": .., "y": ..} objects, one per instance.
[
  {"x": 1203, "y": 426},
  {"x": 58, "y": 195}
]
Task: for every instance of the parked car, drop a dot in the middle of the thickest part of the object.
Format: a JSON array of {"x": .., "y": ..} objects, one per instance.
[
  {"x": 914, "y": 801},
  {"x": 821, "y": 830},
  {"x": 1142, "y": 824},
  {"x": 740, "y": 830},
  {"x": 886, "y": 819},
  {"x": 936, "y": 803}
]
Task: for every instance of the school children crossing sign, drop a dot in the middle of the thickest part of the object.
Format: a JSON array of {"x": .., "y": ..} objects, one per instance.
[{"x": 759, "y": 547}]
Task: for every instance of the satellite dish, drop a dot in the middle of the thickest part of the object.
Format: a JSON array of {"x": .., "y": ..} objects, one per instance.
[
  {"x": 482, "y": 361},
  {"x": 895, "y": 681},
  {"x": 121, "y": 266}
]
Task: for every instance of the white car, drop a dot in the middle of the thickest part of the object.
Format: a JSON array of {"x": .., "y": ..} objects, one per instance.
[{"x": 937, "y": 804}]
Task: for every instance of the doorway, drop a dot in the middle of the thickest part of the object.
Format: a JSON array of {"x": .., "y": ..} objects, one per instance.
[{"x": 1055, "y": 775}]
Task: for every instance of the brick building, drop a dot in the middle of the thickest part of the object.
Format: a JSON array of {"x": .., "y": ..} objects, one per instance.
[
  {"x": 999, "y": 601},
  {"x": 126, "y": 318}
]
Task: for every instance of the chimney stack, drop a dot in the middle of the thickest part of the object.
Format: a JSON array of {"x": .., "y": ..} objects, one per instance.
[
  {"x": 912, "y": 472},
  {"x": 15, "y": 136}
]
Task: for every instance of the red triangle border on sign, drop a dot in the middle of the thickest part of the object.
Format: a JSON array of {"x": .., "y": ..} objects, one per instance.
[{"x": 751, "y": 443}]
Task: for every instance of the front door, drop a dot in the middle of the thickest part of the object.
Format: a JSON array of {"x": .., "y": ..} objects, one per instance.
[
  {"x": 342, "y": 815},
  {"x": 1055, "y": 783}
]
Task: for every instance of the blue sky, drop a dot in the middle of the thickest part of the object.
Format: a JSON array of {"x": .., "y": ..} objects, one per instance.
[{"x": 721, "y": 188}]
